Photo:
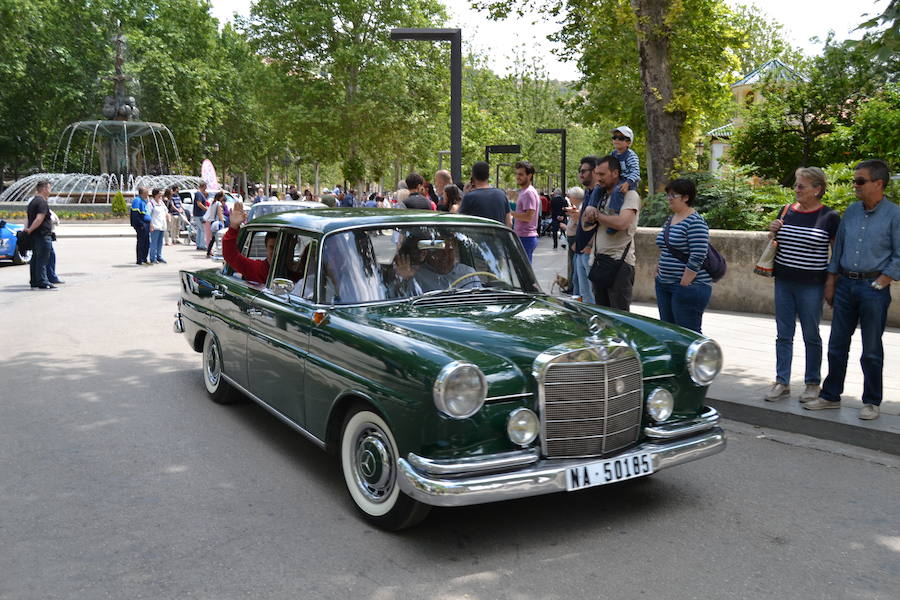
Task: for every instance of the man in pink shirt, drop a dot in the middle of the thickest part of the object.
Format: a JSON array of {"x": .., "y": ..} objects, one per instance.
[{"x": 528, "y": 208}]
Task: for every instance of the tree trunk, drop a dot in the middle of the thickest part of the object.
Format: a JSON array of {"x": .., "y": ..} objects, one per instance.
[{"x": 663, "y": 126}]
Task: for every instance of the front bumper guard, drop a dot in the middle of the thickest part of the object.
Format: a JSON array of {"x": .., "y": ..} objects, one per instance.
[{"x": 544, "y": 476}]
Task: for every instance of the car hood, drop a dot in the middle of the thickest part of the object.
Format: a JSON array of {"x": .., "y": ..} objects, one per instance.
[{"x": 518, "y": 331}]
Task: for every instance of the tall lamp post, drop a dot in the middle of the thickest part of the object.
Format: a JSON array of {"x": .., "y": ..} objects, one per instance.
[
  {"x": 441, "y": 154},
  {"x": 497, "y": 173},
  {"x": 454, "y": 36},
  {"x": 562, "y": 161}
]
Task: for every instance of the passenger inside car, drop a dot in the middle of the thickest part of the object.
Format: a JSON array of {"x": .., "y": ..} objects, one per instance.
[
  {"x": 424, "y": 264},
  {"x": 251, "y": 269}
]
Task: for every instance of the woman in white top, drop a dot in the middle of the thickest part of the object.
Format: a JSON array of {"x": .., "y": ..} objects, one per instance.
[
  {"x": 158, "y": 214},
  {"x": 214, "y": 220}
]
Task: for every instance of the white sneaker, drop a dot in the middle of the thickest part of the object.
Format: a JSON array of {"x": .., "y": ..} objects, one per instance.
[
  {"x": 810, "y": 393},
  {"x": 778, "y": 391},
  {"x": 868, "y": 412}
]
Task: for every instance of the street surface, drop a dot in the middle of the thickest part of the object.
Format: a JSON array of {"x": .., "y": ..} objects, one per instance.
[{"x": 120, "y": 479}]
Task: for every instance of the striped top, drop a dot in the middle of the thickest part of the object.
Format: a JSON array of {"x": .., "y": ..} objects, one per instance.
[
  {"x": 631, "y": 166},
  {"x": 690, "y": 236},
  {"x": 803, "y": 242}
]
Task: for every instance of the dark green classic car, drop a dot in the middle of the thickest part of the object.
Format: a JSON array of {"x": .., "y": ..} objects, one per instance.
[{"x": 419, "y": 347}]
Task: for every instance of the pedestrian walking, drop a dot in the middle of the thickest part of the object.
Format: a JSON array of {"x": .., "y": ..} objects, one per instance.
[
  {"x": 200, "y": 207},
  {"x": 176, "y": 215},
  {"x": 528, "y": 208},
  {"x": 158, "y": 215},
  {"x": 140, "y": 220},
  {"x": 558, "y": 206},
  {"x": 866, "y": 259},
  {"x": 483, "y": 200},
  {"x": 38, "y": 227},
  {"x": 804, "y": 234},
  {"x": 214, "y": 219},
  {"x": 683, "y": 287},
  {"x": 617, "y": 214}
]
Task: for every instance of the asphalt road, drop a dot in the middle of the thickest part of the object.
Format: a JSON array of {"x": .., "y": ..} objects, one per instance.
[{"x": 119, "y": 479}]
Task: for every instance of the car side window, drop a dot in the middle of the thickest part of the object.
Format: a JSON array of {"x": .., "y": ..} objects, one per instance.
[
  {"x": 255, "y": 245},
  {"x": 297, "y": 261}
]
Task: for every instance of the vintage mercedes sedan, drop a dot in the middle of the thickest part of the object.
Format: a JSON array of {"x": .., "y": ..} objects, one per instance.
[{"x": 419, "y": 348}]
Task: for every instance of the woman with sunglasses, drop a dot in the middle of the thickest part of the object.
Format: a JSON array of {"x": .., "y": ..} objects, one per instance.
[{"x": 804, "y": 233}]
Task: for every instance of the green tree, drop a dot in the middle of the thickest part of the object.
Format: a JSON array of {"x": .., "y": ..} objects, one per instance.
[{"x": 350, "y": 87}]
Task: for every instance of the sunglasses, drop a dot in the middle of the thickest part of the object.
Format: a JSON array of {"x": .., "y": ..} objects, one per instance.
[
  {"x": 861, "y": 181},
  {"x": 620, "y": 138}
]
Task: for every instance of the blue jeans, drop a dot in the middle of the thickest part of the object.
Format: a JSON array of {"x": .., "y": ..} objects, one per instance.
[
  {"x": 794, "y": 300},
  {"x": 156, "y": 243},
  {"x": 52, "y": 277},
  {"x": 201, "y": 234},
  {"x": 529, "y": 243},
  {"x": 40, "y": 256},
  {"x": 855, "y": 302},
  {"x": 581, "y": 285},
  {"x": 682, "y": 305}
]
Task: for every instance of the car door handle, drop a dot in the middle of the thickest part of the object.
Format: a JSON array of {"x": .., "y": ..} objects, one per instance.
[
  {"x": 217, "y": 294},
  {"x": 254, "y": 312}
]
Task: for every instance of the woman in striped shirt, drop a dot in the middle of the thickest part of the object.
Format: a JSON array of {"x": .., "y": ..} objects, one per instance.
[
  {"x": 683, "y": 287},
  {"x": 804, "y": 234}
]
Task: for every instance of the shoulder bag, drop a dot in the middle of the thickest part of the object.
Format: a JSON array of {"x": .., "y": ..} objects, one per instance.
[
  {"x": 714, "y": 263},
  {"x": 605, "y": 268},
  {"x": 765, "y": 266}
]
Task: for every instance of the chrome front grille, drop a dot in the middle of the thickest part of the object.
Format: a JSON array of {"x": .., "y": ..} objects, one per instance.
[{"x": 591, "y": 409}]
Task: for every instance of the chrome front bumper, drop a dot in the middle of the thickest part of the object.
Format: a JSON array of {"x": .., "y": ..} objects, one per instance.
[{"x": 447, "y": 484}]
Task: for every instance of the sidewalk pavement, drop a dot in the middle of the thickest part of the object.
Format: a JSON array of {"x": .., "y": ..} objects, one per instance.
[{"x": 748, "y": 344}]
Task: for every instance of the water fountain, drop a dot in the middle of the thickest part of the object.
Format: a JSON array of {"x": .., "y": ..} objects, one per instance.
[{"x": 96, "y": 159}]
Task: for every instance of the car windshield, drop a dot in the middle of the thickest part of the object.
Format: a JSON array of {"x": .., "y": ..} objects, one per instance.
[
  {"x": 371, "y": 265},
  {"x": 271, "y": 209}
]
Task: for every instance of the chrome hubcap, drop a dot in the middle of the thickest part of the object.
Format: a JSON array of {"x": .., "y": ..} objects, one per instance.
[
  {"x": 212, "y": 364},
  {"x": 373, "y": 464}
]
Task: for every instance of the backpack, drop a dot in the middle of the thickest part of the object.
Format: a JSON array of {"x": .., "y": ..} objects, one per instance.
[{"x": 714, "y": 263}]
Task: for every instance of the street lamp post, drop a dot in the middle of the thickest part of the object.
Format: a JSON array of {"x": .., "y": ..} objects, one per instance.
[
  {"x": 497, "y": 173},
  {"x": 500, "y": 149},
  {"x": 562, "y": 162},
  {"x": 441, "y": 154},
  {"x": 454, "y": 36}
]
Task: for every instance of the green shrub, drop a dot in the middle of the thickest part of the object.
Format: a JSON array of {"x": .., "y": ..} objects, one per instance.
[{"x": 119, "y": 208}]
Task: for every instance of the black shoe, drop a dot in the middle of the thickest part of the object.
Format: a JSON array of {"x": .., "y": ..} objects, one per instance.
[
  {"x": 45, "y": 286},
  {"x": 57, "y": 282}
]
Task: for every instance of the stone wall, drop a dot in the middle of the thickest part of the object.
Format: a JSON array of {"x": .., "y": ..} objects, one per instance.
[{"x": 741, "y": 289}]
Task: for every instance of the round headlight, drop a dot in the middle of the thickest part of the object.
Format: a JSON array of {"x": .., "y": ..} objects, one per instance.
[
  {"x": 704, "y": 361},
  {"x": 459, "y": 390},
  {"x": 522, "y": 426},
  {"x": 660, "y": 404}
]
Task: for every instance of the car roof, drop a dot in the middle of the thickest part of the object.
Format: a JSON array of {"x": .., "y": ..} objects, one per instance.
[
  {"x": 326, "y": 220},
  {"x": 303, "y": 203}
]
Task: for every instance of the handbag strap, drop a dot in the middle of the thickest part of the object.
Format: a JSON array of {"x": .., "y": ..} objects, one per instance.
[{"x": 674, "y": 252}]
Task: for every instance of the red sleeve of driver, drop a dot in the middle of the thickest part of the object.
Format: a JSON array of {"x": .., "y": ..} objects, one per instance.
[{"x": 251, "y": 270}]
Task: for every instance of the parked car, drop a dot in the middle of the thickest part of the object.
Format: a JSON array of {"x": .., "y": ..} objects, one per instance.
[
  {"x": 187, "y": 199},
  {"x": 268, "y": 208},
  {"x": 8, "y": 243},
  {"x": 419, "y": 348}
]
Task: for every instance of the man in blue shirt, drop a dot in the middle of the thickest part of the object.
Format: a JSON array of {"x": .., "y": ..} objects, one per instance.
[
  {"x": 864, "y": 262},
  {"x": 140, "y": 220}
]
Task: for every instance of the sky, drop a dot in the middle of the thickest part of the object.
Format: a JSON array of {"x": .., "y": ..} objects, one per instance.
[{"x": 802, "y": 20}]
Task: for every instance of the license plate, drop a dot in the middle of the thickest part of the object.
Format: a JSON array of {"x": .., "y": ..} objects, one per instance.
[{"x": 612, "y": 470}]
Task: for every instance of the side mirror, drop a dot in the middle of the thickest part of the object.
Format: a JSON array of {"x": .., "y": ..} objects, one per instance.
[{"x": 282, "y": 287}]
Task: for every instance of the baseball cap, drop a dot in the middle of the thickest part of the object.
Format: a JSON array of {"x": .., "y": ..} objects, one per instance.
[{"x": 626, "y": 131}]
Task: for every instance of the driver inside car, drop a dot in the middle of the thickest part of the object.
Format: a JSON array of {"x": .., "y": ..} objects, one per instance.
[{"x": 424, "y": 264}]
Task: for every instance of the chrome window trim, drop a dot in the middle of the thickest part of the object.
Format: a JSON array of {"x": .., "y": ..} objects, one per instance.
[
  {"x": 708, "y": 419},
  {"x": 278, "y": 414},
  {"x": 606, "y": 348},
  {"x": 473, "y": 464}
]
